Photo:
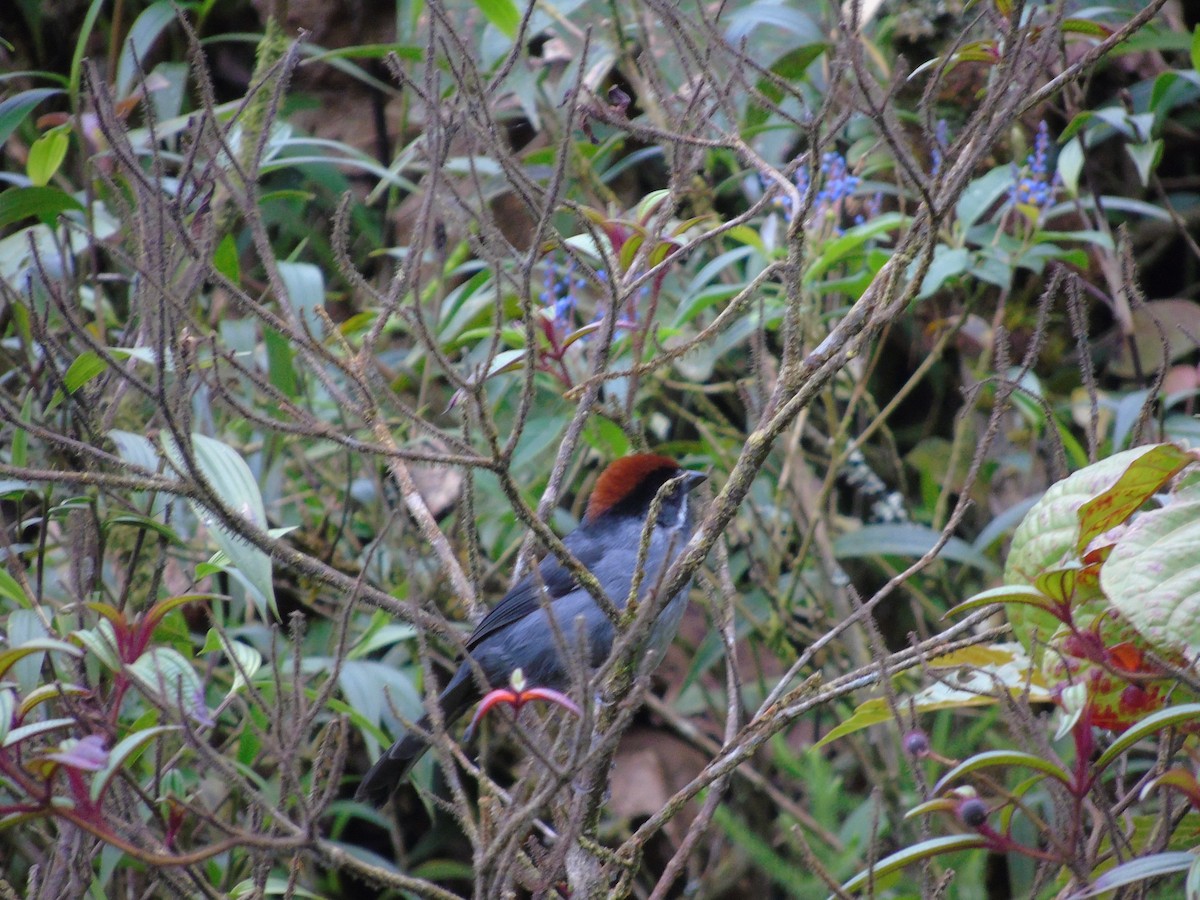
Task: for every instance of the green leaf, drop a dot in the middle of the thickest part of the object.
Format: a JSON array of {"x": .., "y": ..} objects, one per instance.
[
  {"x": 244, "y": 659},
  {"x": 20, "y": 439},
  {"x": 136, "y": 47},
  {"x": 146, "y": 523},
  {"x": 10, "y": 589},
  {"x": 505, "y": 361},
  {"x": 85, "y": 367},
  {"x": 281, "y": 367},
  {"x": 870, "y": 712},
  {"x": 38, "y": 645},
  {"x": 14, "y": 109},
  {"x": 775, "y": 17},
  {"x": 75, "y": 77},
  {"x": 8, "y": 706},
  {"x": 464, "y": 305},
  {"x": 101, "y": 642},
  {"x": 791, "y": 66},
  {"x": 274, "y": 887},
  {"x": 1070, "y": 584},
  {"x": 25, "y": 732},
  {"x": 1070, "y": 165},
  {"x": 39, "y": 695},
  {"x": 29, "y": 731},
  {"x": 1146, "y": 157},
  {"x": 838, "y": 249},
  {"x": 136, "y": 449},
  {"x": 909, "y": 540},
  {"x": 917, "y": 853},
  {"x": 156, "y": 613},
  {"x": 1085, "y": 26},
  {"x": 382, "y": 633},
  {"x": 1048, "y": 536},
  {"x": 947, "y": 263},
  {"x": 126, "y": 751},
  {"x": 1139, "y": 870},
  {"x": 46, "y": 203},
  {"x": 374, "y": 689},
  {"x": 630, "y": 248},
  {"x": 982, "y": 675},
  {"x": 1149, "y": 726},
  {"x": 992, "y": 758},
  {"x": 46, "y": 154},
  {"x": 504, "y": 14},
  {"x": 981, "y": 194},
  {"x": 1008, "y": 593},
  {"x": 225, "y": 259},
  {"x": 650, "y": 204}
]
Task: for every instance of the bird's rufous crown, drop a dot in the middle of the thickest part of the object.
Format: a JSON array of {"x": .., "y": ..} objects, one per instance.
[{"x": 625, "y": 477}]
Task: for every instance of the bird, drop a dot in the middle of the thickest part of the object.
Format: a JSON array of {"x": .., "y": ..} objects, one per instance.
[{"x": 517, "y": 633}]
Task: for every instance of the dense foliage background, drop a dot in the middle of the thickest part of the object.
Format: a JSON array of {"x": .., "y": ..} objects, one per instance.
[{"x": 318, "y": 320}]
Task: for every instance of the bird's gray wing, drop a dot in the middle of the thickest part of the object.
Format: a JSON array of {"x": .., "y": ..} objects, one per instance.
[{"x": 524, "y": 597}]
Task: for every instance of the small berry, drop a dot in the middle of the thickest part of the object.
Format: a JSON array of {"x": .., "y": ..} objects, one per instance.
[
  {"x": 916, "y": 743},
  {"x": 973, "y": 812}
]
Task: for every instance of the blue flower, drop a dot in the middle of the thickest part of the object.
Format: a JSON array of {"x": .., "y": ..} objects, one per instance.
[
  {"x": 839, "y": 183},
  {"x": 941, "y": 143},
  {"x": 558, "y": 289},
  {"x": 1032, "y": 184}
]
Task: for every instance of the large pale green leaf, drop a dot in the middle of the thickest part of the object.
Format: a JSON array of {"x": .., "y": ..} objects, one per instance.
[
  {"x": 1153, "y": 575},
  {"x": 1148, "y": 473},
  {"x": 138, "y": 450},
  {"x": 1048, "y": 536},
  {"x": 165, "y": 673},
  {"x": 234, "y": 483},
  {"x": 305, "y": 285}
]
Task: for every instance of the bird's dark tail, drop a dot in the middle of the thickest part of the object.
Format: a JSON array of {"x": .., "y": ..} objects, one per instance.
[{"x": 393, "y": 767}]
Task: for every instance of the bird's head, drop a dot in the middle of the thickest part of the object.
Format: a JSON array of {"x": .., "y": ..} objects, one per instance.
[{"x": 627, "y": 488}]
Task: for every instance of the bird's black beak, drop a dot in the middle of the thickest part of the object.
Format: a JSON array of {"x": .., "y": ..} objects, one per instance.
[{"x": 693, "y": 479}]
